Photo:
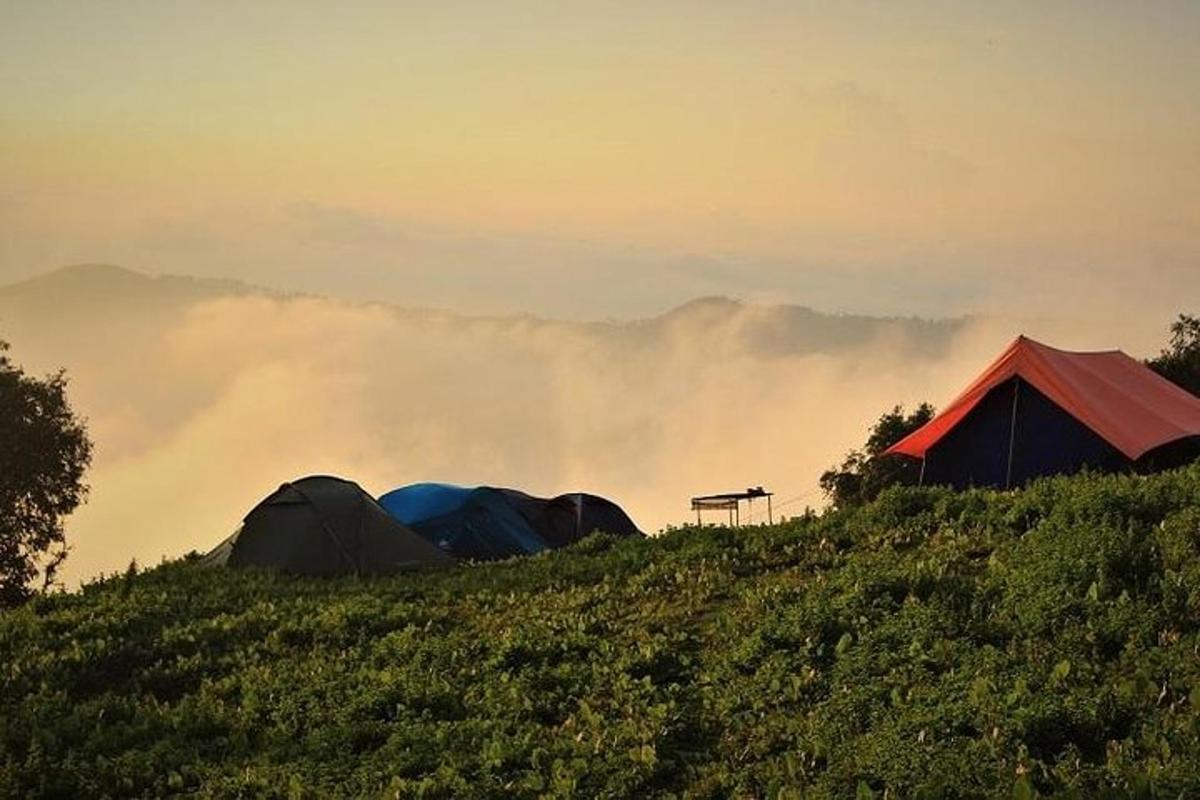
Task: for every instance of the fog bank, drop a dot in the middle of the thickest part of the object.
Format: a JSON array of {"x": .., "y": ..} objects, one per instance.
[{"x": 203, "y": 398}]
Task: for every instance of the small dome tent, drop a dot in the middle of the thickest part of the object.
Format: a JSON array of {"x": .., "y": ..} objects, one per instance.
[
  {"x": 1037, "y": 410},
  {"x": 321, "y": 525},
  {"x": 570, "y": 517}
]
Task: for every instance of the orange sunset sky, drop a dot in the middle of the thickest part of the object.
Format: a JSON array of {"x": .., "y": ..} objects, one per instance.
[{"x": 611, "y": 159}]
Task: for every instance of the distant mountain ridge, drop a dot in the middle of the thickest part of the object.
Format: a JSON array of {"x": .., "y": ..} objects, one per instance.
[
  {"x": 97, "y": 292},
  {"x": 100, "y": 281}
]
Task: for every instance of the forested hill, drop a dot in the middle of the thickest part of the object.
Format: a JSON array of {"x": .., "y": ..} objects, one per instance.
[{"x": 930, "y": 644}]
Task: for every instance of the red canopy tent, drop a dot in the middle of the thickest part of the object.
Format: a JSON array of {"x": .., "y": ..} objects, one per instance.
[{"x": 1119, "y": 410}]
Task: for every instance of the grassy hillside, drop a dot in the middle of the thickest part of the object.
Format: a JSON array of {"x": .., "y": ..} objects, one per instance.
[{"x": 932, "y": 644}]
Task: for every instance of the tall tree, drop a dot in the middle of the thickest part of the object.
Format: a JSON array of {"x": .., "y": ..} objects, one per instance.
[
  {"x": 1179, "y": 361},
  {"x": 865, "y": 472},
  {"x": 44, "y": 452}
]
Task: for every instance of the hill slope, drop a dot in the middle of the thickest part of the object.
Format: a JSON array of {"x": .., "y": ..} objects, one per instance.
[{"x": 931, "y": 644}]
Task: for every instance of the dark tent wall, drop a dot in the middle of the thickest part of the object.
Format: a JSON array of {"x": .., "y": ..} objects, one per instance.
[
  {"x": 532, "y": 510},
  {"x": 321, "y": 525},
  {"x": 486, "y": 527},
  {"x": 1015, "y": 420},
  {"x": 568, "y": 518},
  {"x": 1170, "y": 455}
]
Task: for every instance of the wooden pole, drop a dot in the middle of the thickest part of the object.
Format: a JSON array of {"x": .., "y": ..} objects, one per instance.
[
  {"x": 1012, "y": 432},
  {"x": 770, "y": 520}
]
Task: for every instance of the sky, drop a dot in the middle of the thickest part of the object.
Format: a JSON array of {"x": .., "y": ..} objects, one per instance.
[{"x": 610, "y": 160}]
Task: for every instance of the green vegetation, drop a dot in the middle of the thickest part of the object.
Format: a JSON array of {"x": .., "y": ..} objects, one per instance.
[
  {"x": 44, "y": 452},
  {"x": 1179, "y": 361},
  {"x": 864, "y": 473},
  {"x": 928, "y": 644}
]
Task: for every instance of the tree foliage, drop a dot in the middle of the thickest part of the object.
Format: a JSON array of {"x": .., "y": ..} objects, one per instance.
[
  {"x": 866, "y": 472},
  {"x": 1179, "y": 361},
  {"x": 44, "y": 451}
]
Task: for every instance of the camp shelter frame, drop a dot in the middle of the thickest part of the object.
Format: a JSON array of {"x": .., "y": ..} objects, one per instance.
[{"x": 731, "y": 502}]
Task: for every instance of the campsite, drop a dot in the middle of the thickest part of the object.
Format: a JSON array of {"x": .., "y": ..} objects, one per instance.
[{"x": 467, "y": 400}]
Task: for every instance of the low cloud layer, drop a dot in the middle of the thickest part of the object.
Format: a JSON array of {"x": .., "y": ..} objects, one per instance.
[{"x": 202, "y": 401}]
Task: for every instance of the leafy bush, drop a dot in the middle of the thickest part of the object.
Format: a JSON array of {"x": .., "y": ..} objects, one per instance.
[
  {"x": 1179, "y": 361},
  {"x": 866, "y": 472}
]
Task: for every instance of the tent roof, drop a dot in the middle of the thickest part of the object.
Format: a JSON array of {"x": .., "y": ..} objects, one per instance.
[
  {"x": 1118, "y": 397},
  {"x": 421, "y": 501}
]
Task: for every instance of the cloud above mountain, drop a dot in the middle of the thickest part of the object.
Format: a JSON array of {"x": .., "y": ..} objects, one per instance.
[{"x": 203, "y": 395}]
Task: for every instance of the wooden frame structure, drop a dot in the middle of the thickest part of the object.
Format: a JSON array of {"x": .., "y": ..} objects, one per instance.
[{"x": 731, "y": 502}]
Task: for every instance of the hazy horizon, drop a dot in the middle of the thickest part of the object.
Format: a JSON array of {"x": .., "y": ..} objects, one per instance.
[
  {"x": 202, "y": 396},
  {"x": 918, "y": 158}
]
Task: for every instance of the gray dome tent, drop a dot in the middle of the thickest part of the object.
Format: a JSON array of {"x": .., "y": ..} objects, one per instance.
[
  {"x": 321, "y": 525},
  {"x": 570, "y": 517}
]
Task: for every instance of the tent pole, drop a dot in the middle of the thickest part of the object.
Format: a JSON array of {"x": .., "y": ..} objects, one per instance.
[
  {"x": 1012, "y": 432},
  {"x": 921, "y": 478},
  {"x": 770, "y": 519}
]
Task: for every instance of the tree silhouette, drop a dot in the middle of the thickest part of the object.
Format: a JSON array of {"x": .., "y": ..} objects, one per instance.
[
  {"x": 864, "y": 473},
  {"x": 1179, "y": 361},
  {"x": 44, "y": 451}
]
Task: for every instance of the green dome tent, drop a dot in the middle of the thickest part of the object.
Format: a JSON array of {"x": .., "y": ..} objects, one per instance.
[{"x": 321, "y": 525}]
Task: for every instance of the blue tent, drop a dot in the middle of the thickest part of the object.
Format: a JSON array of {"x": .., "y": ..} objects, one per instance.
[
  {"x": 421, "y": 501},
  {"x": 475, "y": 524},
  {"x": 487, "y": 523}
]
